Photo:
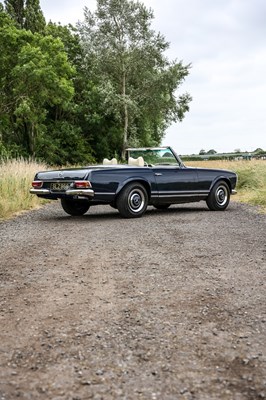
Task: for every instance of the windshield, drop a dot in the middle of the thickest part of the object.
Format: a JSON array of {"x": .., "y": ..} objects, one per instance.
[{"x": 155, "y": 156}]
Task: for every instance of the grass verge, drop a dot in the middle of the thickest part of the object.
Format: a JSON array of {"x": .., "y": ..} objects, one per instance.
[
  {"x": 15, "y": 181},
  {"x": 251, "y": 184}
]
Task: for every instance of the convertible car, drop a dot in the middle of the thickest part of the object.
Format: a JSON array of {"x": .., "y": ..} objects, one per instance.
[{"x": 152, "y": 176}]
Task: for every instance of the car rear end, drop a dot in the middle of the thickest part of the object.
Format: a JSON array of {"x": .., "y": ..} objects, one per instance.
[{"x": 59, "y": 184}]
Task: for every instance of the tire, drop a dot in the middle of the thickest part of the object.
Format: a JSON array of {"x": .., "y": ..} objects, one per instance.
[
  {"x": 162, "y": 206},
  {"x": 75, "y": 207},
  {"x": 219, "y": 197},
  {"x": 132, "y": 202}
]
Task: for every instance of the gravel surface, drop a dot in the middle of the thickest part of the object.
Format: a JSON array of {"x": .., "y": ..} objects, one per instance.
[{"x": 168, "y": 306}]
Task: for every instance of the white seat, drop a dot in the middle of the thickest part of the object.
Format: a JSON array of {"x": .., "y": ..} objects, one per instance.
[
  {"x": 136, "y": 161},
  {"x": 109, "y": 162}
]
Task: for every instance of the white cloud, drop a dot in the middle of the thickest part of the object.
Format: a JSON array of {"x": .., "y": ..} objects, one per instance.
[{"x": 65, "y": 11}]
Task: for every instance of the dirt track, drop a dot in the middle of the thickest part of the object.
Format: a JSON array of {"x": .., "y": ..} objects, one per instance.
[{"x": 169, "y": 306}]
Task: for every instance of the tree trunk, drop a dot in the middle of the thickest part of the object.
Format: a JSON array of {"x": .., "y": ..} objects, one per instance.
[
  {"x": 125, "y": 136},
  {"x": 32, "y": 140}
]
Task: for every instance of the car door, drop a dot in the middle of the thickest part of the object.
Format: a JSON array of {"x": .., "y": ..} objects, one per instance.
[{"x": 176, "y": 183}]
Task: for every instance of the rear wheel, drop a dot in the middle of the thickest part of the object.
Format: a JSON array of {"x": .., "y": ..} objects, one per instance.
[
  {"x": 219, "y": 197},
  {"x": 132, "y": 201},
  {"x": 75, "y": 207}
]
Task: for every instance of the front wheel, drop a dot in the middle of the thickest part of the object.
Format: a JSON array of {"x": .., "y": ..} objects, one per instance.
[
  {"x": 75, "y": 207},
  {"x": 219, "y": 197},
  {"x": 132, "y": 201}
]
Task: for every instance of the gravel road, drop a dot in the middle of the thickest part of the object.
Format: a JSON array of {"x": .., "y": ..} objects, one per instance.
[{"x": 169, "y": 306}]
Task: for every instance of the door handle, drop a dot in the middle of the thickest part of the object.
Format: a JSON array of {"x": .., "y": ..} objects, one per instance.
[{"x": 158, "y": 174}]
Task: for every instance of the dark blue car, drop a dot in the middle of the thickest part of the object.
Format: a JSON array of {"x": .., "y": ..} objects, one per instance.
[{"x": 152, "y": 176}]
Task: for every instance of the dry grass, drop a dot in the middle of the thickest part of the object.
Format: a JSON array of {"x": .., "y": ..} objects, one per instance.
[
  {"x": 15, "y": 181},
  {"x": 251, "y": 184}
]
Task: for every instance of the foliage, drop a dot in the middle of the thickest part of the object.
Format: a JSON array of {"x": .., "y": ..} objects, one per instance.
[
  {"x": 15, "y": 8},
  {"x": 34, "y": 19},
  {"x": 209, "y": 152},
  {"x": 64, "y": 144},
  {"x": 26, "y": 14},
  {"x": 127, "y": 59},
  {"x": 259, "y": 151},
  {"x": 35, "y": 76},
  {"x": 71, "y": 95}
]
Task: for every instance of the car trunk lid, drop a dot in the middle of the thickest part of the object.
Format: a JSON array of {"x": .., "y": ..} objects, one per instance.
[{"x": 65, "y": 175}]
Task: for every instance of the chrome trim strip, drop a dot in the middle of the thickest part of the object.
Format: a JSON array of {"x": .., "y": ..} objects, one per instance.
[
  {"x": 104, "y": 193},
  {"x": 184, "y": 194},
  {"x": 60, "y": 180},
  {"x": 39, "y": 191},
  {"x": 184, "y": 191},
  {"x": 80, "y": 192},
  {"x": 68, "y": 192},
  {"x": 234, "y": 192}
]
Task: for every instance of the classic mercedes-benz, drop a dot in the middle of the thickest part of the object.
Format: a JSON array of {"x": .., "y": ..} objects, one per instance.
[{"x": 153, "y": 176}]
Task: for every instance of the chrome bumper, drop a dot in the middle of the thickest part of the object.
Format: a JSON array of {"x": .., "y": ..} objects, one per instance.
[
  {"x": 68, "y": 192},
  {"x": 234, "y": 192},
  {"x": 80, "y": 192}
]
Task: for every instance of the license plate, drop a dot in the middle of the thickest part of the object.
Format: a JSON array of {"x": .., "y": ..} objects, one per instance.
[{"x": 59, "y": 186}]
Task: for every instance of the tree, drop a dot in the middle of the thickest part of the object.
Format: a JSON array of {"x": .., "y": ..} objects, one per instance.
[
  {"x": 26, "y": 13},
  {"x": 259, "y": 150},
  {"x": 212, "y": 151},
  {"x": 42, "y": 78},
  {"x": 34, "y": 18},
  {"x": 70, "y": 39},
  {"x": 202, "y": 152},
  {"x": 15, "y": 8},
  {"x": 138, "y": 83},
  {"x": 34, "y": 75}
]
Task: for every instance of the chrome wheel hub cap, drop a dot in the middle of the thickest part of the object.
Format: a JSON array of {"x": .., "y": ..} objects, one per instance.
[
  {"x": 136, "y": 200},
  {"x": 221, "y": 195}
]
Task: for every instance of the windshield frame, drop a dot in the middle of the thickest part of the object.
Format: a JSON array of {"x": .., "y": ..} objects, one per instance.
[{"x": 167, "y": 149}]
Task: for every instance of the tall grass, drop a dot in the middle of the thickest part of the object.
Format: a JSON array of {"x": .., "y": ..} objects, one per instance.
[
  {"x": 15, "y": 181},
  {"x": 251, "y": 184}
]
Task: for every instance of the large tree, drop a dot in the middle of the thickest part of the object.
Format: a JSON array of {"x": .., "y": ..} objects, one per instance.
[
  {"x": 26, "y": 13},
  {"x": 15, "y": 8},
  {"x": 39, "y": 112},
  {"x": 34, "y": 75},
  {"x": 127, "y": 58},
  {"x": 34, "y": 18}
]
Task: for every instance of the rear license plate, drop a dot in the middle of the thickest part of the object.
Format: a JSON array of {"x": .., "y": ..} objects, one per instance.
[{"x": 59, "y": 186}]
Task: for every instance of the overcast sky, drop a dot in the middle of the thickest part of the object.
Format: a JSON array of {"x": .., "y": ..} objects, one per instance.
[{"x": 225, "y": 41}]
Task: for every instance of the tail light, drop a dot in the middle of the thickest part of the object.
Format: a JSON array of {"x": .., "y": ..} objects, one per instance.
[
  {"x": 37, "y": 184},
  {"x": 82, "y": 184}
]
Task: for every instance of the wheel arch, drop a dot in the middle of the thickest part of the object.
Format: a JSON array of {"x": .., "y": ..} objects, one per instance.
[
  {"x": 142, "y": 181},
  {"x": 220, "y": 179}
]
